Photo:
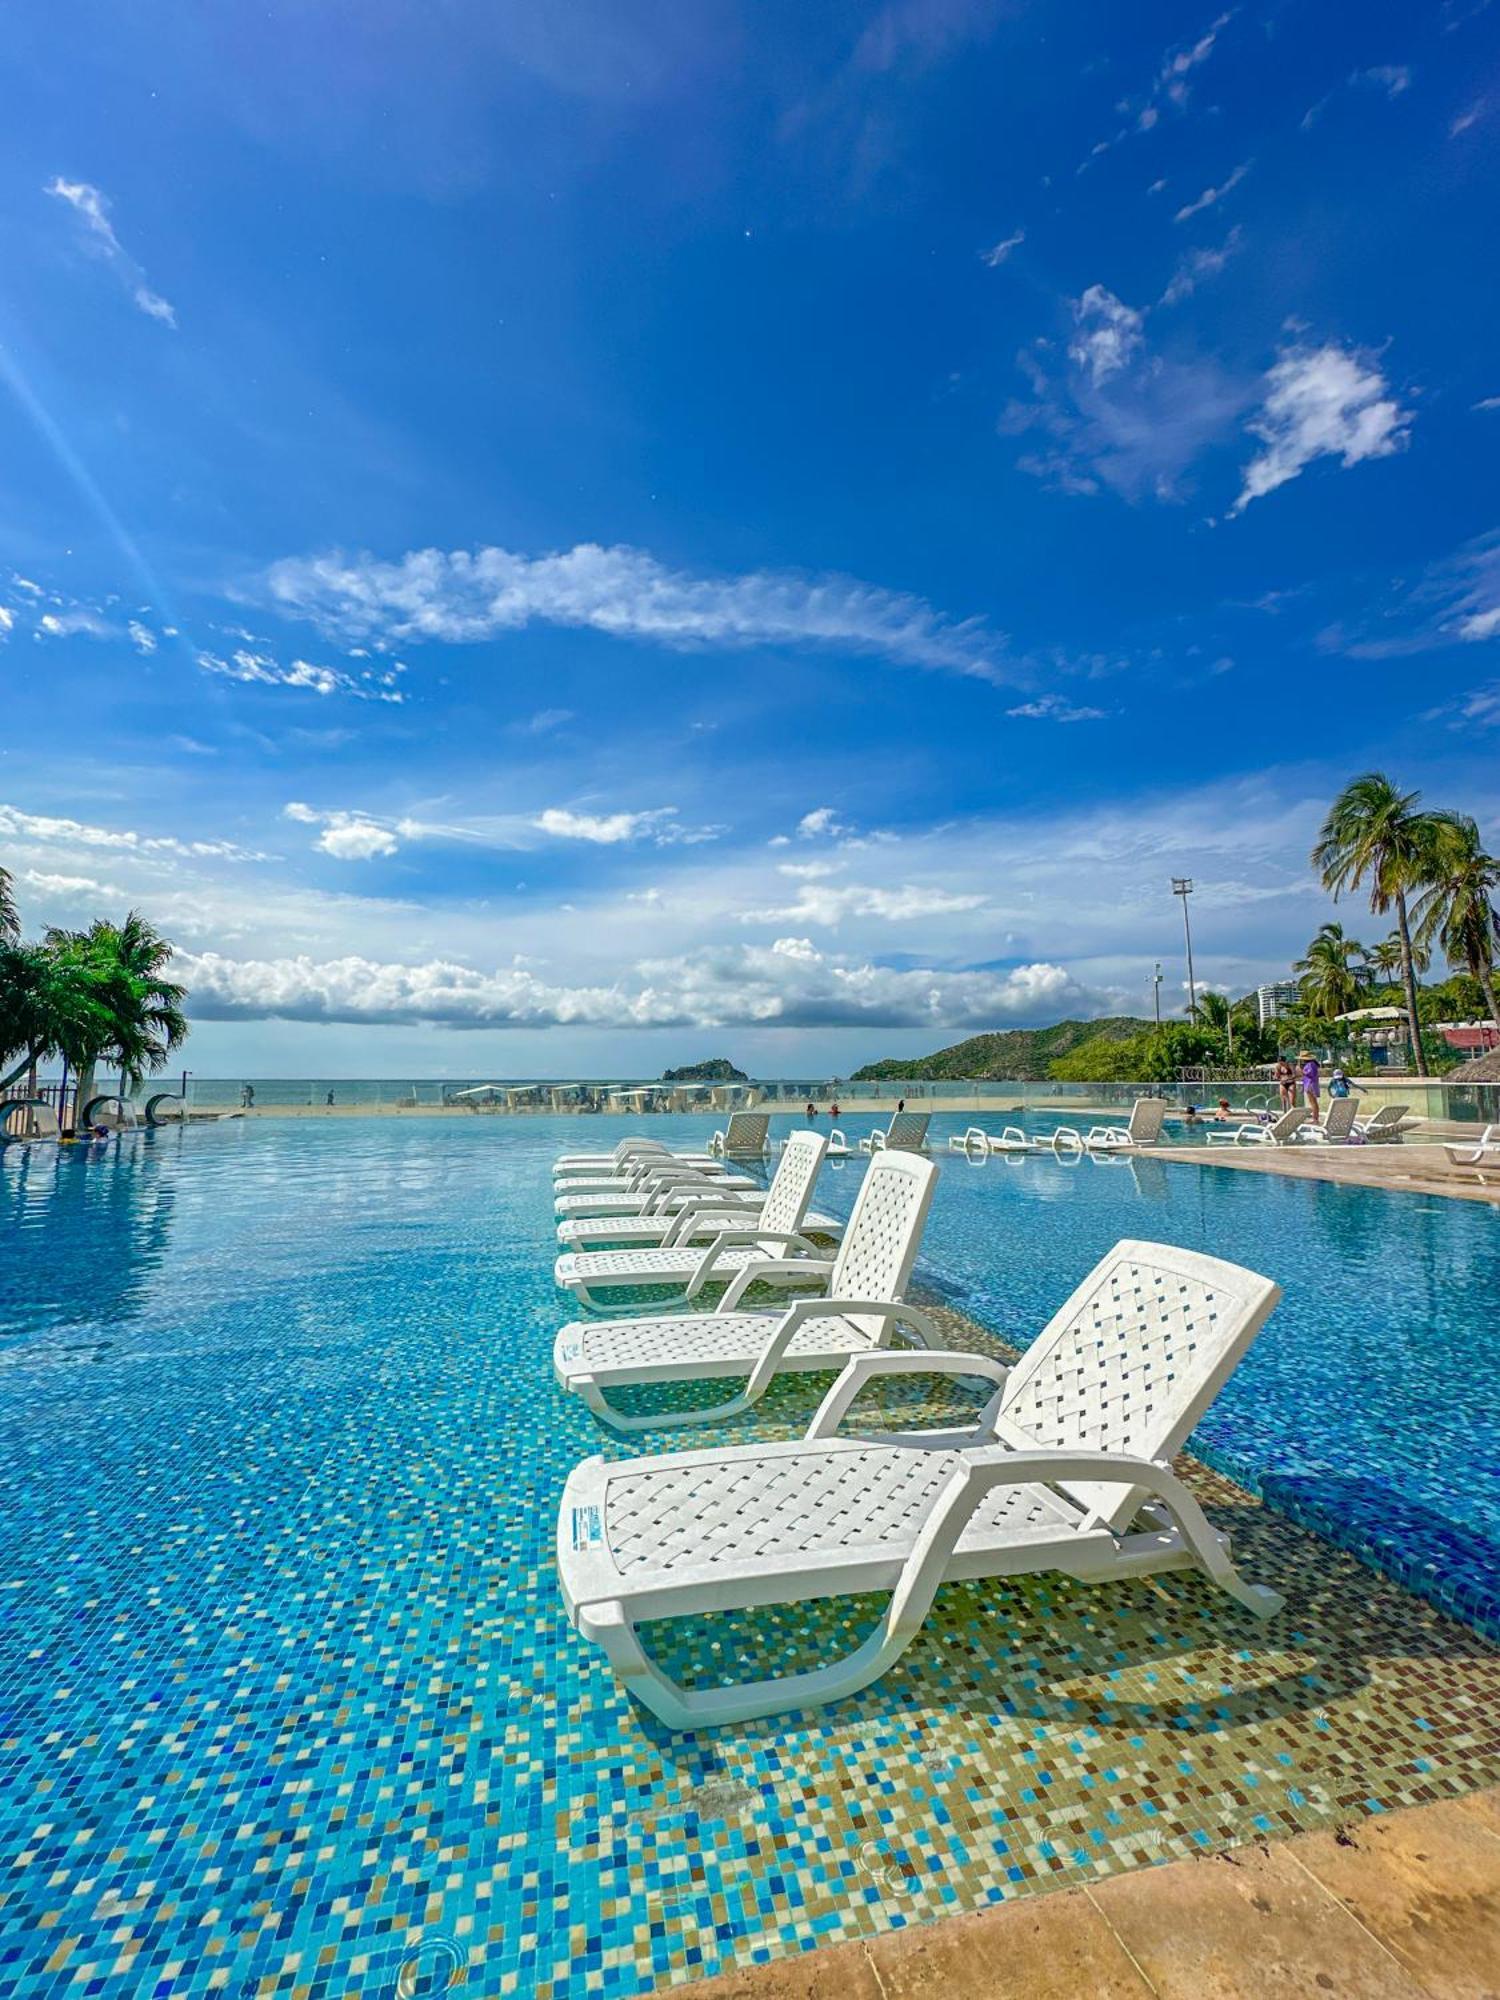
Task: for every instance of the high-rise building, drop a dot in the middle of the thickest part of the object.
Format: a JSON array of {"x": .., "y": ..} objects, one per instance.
[{"x": 1271, "y": 1001}]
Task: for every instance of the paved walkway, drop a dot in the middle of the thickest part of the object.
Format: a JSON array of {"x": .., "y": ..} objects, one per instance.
[
  {"x": 1398, "y": 1907},
  {"x": 1412, "y": 1168}
]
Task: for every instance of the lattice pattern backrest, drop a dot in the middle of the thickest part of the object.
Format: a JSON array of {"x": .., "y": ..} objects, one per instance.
[
  {"x": 1340, "y": 1120},
  {"x": 908, "y": 1128},
  {"x": 1133, "y": 1359},
  {"x": 746, "y": 1132},
  {"x": 880, "y": 1244},
  {"x": 1288, "y": 1122},
  {"x": 792, "y": 1184},
  {"x": 1147, "y": 1115}
]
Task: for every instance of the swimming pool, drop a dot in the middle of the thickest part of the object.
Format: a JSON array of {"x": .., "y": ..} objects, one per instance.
[{"x": 287, "y": 1700}]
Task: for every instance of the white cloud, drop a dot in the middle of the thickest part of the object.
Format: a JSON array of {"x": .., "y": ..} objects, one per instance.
[
  {"x": 996, "y": 255},
  {"x": 822, "y": 903},
  {"x": 74, "y": 623},
  {"x": 1320, "y": 402},
  {"x": 786, "y": 985},
  {"x": 259, "y": 668},
  {"x": 808, "y": 871},
  {"x": 474, "y": 595},
  {"x": 141, "y": 636},
  {"x": 545, "y": 722},
  {"x": 1392, "y": 78},
  {"x": 1170, "y": 89},
  {"x": 1211, "y": 196},
  {"x": 1056, "y": 708},
  {"x": 1488, "y": 403},
  {"x": 7, "y": 621},
  {"x": 92, "y": 209},
  {"x": 73, "y": 833},
  {"x": 1465, "y": 119},
  {"x": 660, "y": 824},
  {"x": 1198, "y": 265},
  {"x": 347, "y": 836},
  {"x": 1109, "y": 332},
  {"x": 822, "y": 823}
]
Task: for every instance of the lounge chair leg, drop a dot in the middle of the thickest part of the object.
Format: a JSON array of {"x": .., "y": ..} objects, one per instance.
[
  {"x": 1211, "y": 1552},
  {"x": 587, "y": 1387},
  {"x": 709, "y": 1708}
]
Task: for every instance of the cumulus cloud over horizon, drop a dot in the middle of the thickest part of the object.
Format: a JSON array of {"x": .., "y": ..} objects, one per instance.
[{"x": 786, "y": 984}]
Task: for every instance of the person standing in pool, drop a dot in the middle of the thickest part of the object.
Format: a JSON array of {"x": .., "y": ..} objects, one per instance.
[
  {"x": 1285, "y": 1082},
  {"x": 1310, "y": 1074}
]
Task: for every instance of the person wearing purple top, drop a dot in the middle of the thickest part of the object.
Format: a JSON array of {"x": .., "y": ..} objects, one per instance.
[{"x": 1309, "y": 1081}]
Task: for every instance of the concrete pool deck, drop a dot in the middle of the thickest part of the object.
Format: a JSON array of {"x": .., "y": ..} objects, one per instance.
[
  {"x": 1402, "y": 1906},
  {"x": 1411, "y": 1167}
]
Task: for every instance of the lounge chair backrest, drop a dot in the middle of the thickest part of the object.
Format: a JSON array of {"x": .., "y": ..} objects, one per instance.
[
  {"x": 1288, "y": 1123},
  {"x": 746, "y": 1132},
  {"x": 1133, "y": 1359},
  {"x": 790, "y": 1192},
  {"x": 1387, "y": 1118},
  {"x": 631, "y": 1148},
  {"x": 884, "y": 1232},
  {"x": 1340, "y": 1120},
  {"x": 1146, "y": 1118},
  {"x": 908, "y": 1129}
]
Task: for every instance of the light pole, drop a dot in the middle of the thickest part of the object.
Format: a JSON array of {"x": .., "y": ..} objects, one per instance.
[
  {"x": 1182, "y": 885},
  {"x": 1156, "y": 991}
]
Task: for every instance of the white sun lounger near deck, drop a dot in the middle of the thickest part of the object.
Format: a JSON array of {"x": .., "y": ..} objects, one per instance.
[
  {"x": 1334, "y": 1129},
  {"x": 657, "y": 1194},
  {"x": 767, "y": 1240},
  {"x": 1484, "y": 1153},
  {"x": 860, "y": 1309},
  {"x": 746, "y": 1136},
  {"x": 906, "y": 1133},
  {"x": 976, "y": 1142},
  {"x": 1143, "y": 1128},
  {"x": 629, "y": 1153},
  {"x": 1281, "y": 1131},
  {"x": 1385, "y": 1125},
  {"x": 1068, "y": 1468},
  {"x": 691, "y": 1213}
]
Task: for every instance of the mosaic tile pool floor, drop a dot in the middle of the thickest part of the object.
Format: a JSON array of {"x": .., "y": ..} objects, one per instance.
[{"x": 287, "y": 1701}]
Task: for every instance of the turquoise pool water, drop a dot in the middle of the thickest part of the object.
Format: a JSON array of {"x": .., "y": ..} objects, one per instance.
[{"x": 286, "y": 1698}]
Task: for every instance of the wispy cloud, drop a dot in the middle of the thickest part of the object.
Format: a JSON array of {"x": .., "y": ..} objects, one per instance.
[
  {"x": 1170, "y": 89},
  {"x": 466, "y": 596},
  {"x": 546, "y": 722},
  {"x": 997, "y": 253},
  {"x": 347, "y": 836},
  {"x": 1108, "y": 333},
  {"x": 660, "y": 825},
  {"x": 1391, "y": 79},
  {"x": 92, "y": 209},
  {"x": 1056, "y": 708},
  {"x": 253, "y": 667},
  {"x": 828, "y": 904},
  {"x": 1320, "y": 402},
  {"x": 1212, "y": 196},
  {"x": 1199, "y": 265},
  {"x": 1466, "y": 118}
]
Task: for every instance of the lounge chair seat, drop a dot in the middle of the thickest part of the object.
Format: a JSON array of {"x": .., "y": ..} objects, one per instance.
[
  {"x": 1066, "y": 1468},
  {"x": 606, "y": 1232},
  {"x": 774, "y": 1235},
  {"x": 859, "y": 1308},
  {"x": 1484, "y": 1153},
  {"x": 1281, "y": 1131},
  {"x": 660, "y": 1197}
]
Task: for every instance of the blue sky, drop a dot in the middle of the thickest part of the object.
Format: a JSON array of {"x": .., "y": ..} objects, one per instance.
[{"x": 566, "y": 537}]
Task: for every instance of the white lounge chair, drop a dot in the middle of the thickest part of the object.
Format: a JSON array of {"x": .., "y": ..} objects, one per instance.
[
  {"x": 858, "y": 1310},
  {"x": 1144, "y": 1127},
  {"x": 569, "y": 1163},
  {"x": 906, "y": 1133},
  {"x": 655, "y": 1194},
  {"x": 683, "y": 1213},
  {"x": 628, "y": 1158},
  {"x": 1385, "y": 1125},
  {"x": 1486, "y": 1153},
  {"x": 1068, "y": 1467},
  {"x": 1281, "y": 1131},
  {"x": 766, "y": 1240},
  {"x": 645, "y": 1171},
  {"x": 838, "y": 1144},
  {"x": 1336, "y": 1129},
  {"x": 747, "y": 1135}
]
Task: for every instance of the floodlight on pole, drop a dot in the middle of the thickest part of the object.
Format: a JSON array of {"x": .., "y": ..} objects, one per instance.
[
  {"x": 1182, "y": 885},
  {"x": 1156, "y": 991}
]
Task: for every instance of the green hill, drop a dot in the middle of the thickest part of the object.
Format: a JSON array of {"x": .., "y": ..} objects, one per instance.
[
  {"x": 718, "y": 1069},
  {"x": 1021, "y": 1054}
]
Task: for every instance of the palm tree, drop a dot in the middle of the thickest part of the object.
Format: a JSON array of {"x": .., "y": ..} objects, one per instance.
[
  {"x": 142, "y": 1019},
  {"x": 1385, "y": 958},
  {"x": 1458, "y": 909},
  {"x": 1374, "y": 834},
  {"x": 10, "y": 923},
  {"x": 1329, "y": 976}
]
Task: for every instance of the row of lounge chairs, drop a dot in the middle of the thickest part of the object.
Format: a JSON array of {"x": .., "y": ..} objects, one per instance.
[
  {"x": 1341, "y": 1126},
  {"x": 1065, "y": 1466}
]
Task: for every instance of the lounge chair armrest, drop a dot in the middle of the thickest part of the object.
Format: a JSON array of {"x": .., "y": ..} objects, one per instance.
[
  {"x": 861, "y": 1369},
  {"x": 728, "y": 1239},
  {"x": 981, "y": 1472},
  {"x": 764, "y": 1268},
  {"x": 692, "y": 1221}
]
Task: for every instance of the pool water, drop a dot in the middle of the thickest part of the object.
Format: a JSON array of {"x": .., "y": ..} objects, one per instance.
[{"x": 287, "y": 1700}]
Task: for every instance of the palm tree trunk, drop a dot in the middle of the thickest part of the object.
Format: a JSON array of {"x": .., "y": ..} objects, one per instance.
[
  {"x": 1409, "y": 981},
  {"x": 1485, "y": 974},
  {"x": 28, "y": 1061}
]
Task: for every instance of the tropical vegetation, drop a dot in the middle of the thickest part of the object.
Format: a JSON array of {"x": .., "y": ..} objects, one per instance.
[{"x": 86, "y": 998}]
